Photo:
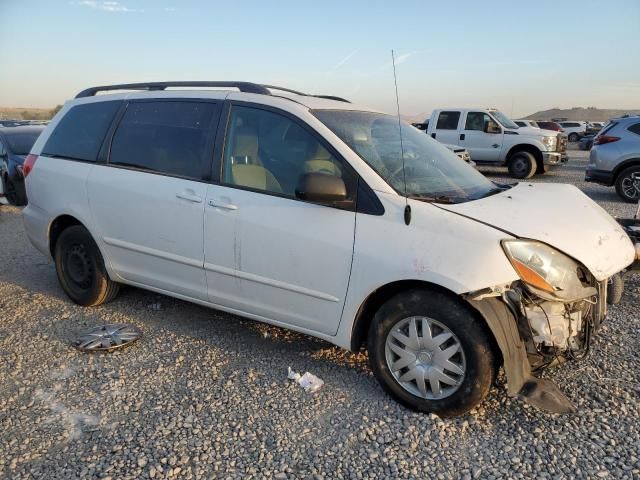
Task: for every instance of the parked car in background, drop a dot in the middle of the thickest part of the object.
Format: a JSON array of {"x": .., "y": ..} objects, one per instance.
[
  {"x": 615, "y": 157},
  {"x": 15, "y": 143},
  {"x": 594, "y": 127},
  {"x": 492, "y": 138},
  {"x": 553, "y": 126},
  {"x": 527, "y": 123},
  {"x": 277, "y": 208},
  {"x": 586, "y": 142},
  {"x": 574, "y": 130}
]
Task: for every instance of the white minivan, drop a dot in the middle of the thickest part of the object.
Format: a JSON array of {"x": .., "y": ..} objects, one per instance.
[{"x": 317, "y": 215}]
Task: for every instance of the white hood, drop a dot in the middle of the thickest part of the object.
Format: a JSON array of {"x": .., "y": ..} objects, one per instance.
[
  {"x": 558, "y": 215},
  {"x": 534, "y": 132}
]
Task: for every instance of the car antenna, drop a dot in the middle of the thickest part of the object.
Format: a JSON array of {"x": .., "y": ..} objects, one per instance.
[{"x": 407, "y": 207}]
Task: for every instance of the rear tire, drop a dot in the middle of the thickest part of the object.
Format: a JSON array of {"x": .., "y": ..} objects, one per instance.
[
  {"x": 419, "y": 384},
  {"x": 624, "y": 184},
  {"x": 574, "y": 137},
  {"x": 522, "y": 165},
  {"x": 80, "y": 268},
  {"x": 15, "y": 192}
]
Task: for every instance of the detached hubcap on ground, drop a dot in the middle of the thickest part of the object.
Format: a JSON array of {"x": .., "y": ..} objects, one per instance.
[{"x": 425, "y": 357}]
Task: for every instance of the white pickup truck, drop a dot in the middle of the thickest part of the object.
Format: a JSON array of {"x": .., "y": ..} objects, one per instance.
[{"x": 492, "y": 138}]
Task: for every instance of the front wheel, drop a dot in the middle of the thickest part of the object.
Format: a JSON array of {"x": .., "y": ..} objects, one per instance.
[
  {"x": 430, "y": 353},
  {"x": 522, "y": 165},
  {"x": 80, "y": 268},
  {"x": 574, "y": 137}
]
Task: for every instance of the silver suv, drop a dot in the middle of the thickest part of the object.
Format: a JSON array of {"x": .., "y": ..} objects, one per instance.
[{"x": 615, "y": 157}]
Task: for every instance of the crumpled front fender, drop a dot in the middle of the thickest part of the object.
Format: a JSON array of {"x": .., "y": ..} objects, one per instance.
[{"x": 541, "y": 393}]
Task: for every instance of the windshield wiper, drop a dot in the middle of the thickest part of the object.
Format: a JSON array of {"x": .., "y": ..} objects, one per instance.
[
  {"x": 497, "y": 189},
  {"x": 435, "y": 198}
]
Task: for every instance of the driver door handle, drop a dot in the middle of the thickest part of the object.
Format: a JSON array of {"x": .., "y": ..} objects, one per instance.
[
  {"x": 462, "y": 136},
  {"x": 189, "y": 197}
]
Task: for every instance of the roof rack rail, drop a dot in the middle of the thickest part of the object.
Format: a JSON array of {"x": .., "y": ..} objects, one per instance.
[
  {"x": 247, "y": 87},
  {"x": 295, "y": 92}
]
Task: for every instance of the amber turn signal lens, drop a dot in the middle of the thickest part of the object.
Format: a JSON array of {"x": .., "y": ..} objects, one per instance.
[{"x": 532, "y": 278}]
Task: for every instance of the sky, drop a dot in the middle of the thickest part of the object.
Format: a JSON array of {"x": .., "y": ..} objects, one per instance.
[{"x": 518, "y": 56}]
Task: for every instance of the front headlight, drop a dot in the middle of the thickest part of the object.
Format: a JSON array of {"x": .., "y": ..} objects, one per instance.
[
  {"x": 550, "y": 142},
  {"x": 547, "y": 270}
]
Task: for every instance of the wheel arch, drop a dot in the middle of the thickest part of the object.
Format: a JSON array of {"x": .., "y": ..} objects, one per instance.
[
  {"x": 527, "y": 147},
  {"x": 375, "y": 299},
  {"x": 631, "y": 162},
  {"x": 59, "y": 225}
]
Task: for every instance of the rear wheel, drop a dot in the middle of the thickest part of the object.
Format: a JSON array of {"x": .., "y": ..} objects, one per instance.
[
  {"x": 574, "y": 137},
  {"x": 80, "y": 268},
  {"x": 430, "y": 353},
  {"x": 522, "y": 165},
  {"x": 15, "y": 192},
  {"x": 626, "y": 184}
]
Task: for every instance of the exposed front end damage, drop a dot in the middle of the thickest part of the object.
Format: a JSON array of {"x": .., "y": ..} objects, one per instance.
[{"x": 535, "y": 330}]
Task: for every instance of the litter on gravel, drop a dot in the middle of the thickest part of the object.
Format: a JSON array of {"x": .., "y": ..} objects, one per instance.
[{"x": 308, "y": 381}]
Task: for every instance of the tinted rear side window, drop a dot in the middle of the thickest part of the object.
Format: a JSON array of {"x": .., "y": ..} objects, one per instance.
[
  {"x": 635, "y": 128},
  {"x": 166, "y": 137},
  {"x": 448, "y": 121},
  {"x": 81, "y": 131}
]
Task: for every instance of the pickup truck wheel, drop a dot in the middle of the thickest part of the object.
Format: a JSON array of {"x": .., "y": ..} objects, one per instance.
[
  {"x": 80, "y": 268},
  {"x": 625, "y": 184},
  {"x": 574, "y": 137},
  {"x": 522, "y": 165},
  {"x": 430, "y": 353},
  {"x": 541, "y": 168}
]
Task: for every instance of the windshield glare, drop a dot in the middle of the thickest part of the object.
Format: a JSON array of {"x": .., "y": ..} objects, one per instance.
[
  {"x": 431, "y": 171},
  {"x": 503, "y": 119}
]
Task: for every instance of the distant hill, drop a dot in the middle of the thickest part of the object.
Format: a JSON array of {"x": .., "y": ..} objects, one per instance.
[
  {"x": 27, "y": 113},
  {"x": 580, "y": 113}
]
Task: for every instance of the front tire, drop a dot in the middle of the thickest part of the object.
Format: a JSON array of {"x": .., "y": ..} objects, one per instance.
[
  {"x": 615, "y": 289},
  {"x": 625, "y": 187},
  {"x": 574, "y": 137},
  {"x": 522, "y": 165},
  {"x": 80, "y": 268},
  {"x": 430, "y": 353}
]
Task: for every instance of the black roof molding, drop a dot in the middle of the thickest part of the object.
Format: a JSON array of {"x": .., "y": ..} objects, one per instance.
[
  {"x": 153, "y": 86},
  {"x": 246, "y": 87}
]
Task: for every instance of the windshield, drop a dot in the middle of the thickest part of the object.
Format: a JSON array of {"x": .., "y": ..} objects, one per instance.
[
  {"x": 432, "y": 171},
  {"x": 503, "y": 119},
  {"x": 21, "y": 143}
]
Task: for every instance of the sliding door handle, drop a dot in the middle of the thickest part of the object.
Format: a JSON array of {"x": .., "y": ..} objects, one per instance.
[{"x": 224, "y": 206}]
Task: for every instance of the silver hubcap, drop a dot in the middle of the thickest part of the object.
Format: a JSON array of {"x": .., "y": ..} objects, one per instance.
[
  {"x": 108, "y": 337},
  {"x": 425, "y": 357},
  {"x": 629, "y": 186}
]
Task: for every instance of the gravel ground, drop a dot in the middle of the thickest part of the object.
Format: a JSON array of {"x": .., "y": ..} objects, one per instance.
[{"x": 205, "y": 394}]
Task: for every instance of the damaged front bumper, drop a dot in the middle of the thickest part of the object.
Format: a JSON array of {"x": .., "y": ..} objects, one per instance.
[{"x": 533, "y": 333}]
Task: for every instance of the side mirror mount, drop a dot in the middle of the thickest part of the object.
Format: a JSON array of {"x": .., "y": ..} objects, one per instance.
[
  {"x": 491, "y": 127},
  {"x": 321, "y": 188}
]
